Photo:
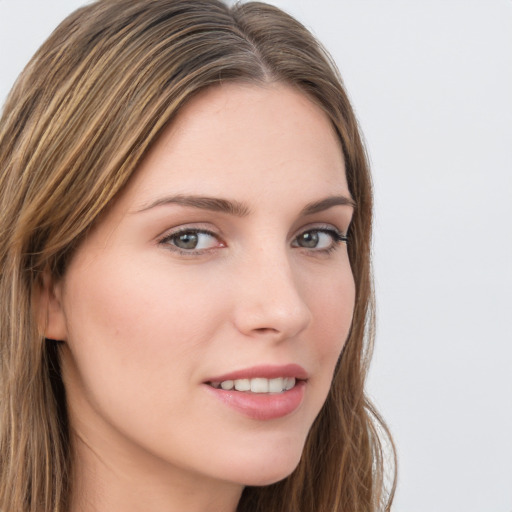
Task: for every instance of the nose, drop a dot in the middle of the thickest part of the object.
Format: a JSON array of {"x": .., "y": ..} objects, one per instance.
[{"x": 270, "y": 302}]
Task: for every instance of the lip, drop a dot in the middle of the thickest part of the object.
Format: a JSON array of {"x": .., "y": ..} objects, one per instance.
[
  {"x": 265, "y": 371},
  {"x": 264, "y": 406}
]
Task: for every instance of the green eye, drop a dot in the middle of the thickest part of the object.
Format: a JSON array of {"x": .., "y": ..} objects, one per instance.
[
  {"x": 309, "y": 239},
  {"x": 186, "y": 240},
  {"x": 319, "y": 239},
  {"x": 192, "y": 240}
]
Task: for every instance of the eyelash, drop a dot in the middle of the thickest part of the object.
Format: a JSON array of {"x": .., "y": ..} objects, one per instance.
[
  {"x": 167, "y": 241},
  {"x": 337, "y": 239}
]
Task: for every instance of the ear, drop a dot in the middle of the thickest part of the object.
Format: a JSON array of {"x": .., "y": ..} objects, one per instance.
[{"x": 50, "y": 314}]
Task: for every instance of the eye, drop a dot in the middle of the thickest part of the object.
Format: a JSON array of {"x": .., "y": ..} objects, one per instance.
[
  {"x": 319, "y": 239},
  {"x": 189, "y": 240}
]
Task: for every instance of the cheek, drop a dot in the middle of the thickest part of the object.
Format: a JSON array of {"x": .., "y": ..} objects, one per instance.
[
  {"x": 332, "y": 306},
  {"x": 123, "y": 302},
  {"x": 136, "y": 342},
  {"x": 332, "y": 309},
  {"x": 128, "y": 325}
]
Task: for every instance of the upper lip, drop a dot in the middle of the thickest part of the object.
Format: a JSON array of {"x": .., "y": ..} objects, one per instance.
[{"x": 264, "y": 371}]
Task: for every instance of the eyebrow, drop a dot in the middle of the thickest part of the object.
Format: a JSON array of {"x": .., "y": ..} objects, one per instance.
[
  {"x": 202, "y": 202},
  {"x": 328, "y": 202},
  {"x": 240, "y": 209}
]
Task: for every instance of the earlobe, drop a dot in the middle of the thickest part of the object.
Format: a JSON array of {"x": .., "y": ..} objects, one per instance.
[{"x": 50, "y": 314}]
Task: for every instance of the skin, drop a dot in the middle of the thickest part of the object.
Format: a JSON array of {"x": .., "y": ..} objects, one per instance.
[{"x": 145, "y": 324}]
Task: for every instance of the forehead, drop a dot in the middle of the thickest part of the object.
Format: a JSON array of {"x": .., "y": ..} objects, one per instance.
[{"x": 244, "y": 139}]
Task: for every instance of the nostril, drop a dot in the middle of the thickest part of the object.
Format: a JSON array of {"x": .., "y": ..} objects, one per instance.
[{"x": 265, "y": 330}]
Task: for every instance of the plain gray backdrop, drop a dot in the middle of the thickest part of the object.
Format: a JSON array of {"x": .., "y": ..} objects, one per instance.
[{"x": 431, "y": 83}]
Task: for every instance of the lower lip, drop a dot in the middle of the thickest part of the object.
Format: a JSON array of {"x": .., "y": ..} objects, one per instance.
[{"x": 262, "y": 406}]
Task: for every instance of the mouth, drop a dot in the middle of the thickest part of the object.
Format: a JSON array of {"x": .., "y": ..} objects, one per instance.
[
  {"x": 264, "y": 392},
  {"x": 256, "y": 385}
]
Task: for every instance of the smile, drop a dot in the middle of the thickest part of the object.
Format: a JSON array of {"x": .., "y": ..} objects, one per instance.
[
  {"x": 257, "y": 385},
  {"x": 262, "y": 393}
]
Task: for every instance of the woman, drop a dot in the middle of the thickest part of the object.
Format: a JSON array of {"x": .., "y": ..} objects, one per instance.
[{"x": 185, "y": 283}]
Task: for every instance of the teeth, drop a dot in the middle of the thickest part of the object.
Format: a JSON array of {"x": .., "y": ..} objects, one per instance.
[
  {"x": 276, "y": 385},
  {"x": 242, "y": 385},
  {"x": 289, "y": 383},
  {"x": 257, "y": 385},
  {"x": 227, "y": 384}
]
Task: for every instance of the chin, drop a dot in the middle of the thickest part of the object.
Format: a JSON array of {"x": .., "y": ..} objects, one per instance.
[
  {"x": 268, "y": 478},
  {"x": 268, "y": 471}
]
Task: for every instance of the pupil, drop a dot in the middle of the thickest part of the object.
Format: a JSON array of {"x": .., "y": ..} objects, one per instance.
[
  {"x": 309, "y": 240},
  {"x": 187, "y": 241}
]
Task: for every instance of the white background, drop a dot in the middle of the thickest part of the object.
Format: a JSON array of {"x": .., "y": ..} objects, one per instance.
[{"x": 431, "y": 82}]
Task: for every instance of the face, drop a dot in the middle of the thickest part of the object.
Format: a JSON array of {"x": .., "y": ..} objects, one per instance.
[{"x": 203, "y": 316}]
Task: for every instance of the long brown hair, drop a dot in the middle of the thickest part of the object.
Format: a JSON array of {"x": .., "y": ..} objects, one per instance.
[{"x": 76, "y": 125}]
